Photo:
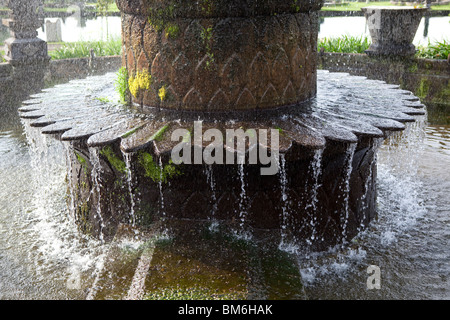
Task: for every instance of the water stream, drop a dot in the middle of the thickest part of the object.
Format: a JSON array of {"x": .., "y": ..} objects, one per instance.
[{"x": 42, "y": 255}]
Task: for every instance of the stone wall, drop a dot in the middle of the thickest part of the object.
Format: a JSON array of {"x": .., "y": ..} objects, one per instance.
[{"x": 60, "y": 71}]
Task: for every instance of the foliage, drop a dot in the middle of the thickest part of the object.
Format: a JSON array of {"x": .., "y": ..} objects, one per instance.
[
  {"x": 437, "y": 50},
  {"x": 103, "y": 6},
  {"x": 81, "y": 49},
  {"x": 140, "y": 81},
  {"x": 114, "y": 160},
  {"x": 121, "y": 84},
  {"x": 344, "y": 44},
  {"x": 158, "y": 173}
]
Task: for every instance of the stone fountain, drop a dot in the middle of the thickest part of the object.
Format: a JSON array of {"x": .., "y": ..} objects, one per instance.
[
  {"x": 25, "y": 52},
  {"x": 205, "y": 69},
  {"x": 392, "y": 29}
]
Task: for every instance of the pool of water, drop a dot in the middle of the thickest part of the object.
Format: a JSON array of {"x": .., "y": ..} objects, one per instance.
[
  {"x": 42, "y": 256},
  {"x": 430, "y": 29},
  {"x": 76, "y": 29},
  {"x": 79, "y": 29}
]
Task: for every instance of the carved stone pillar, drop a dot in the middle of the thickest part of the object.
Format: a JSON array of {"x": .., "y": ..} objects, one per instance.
[{"x": 24, "y": 50}]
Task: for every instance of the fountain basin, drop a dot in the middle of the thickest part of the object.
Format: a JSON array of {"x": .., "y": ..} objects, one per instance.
[
  {"x": 323, "y": 193},
  {"x": 392, "y": 29}
]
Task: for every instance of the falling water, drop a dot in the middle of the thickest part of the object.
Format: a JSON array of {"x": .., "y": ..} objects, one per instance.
[
  {"x": 400, "y": 207},
  {"x": 375, "y": 144},
  {"x": 45, "y": 237},
  {"x": 284, "y": 199},
  {"x": 161, "y": 194},
  {"x": 96, "y": 171},
  {"x": 242, "y": 205},
  {"x": 349, "y": 159},
  {"x": 68, "y": 151},
  {"x": 212, "y": 185},
  {"x": 127, "y": 157},
  {"x": 316, "y": 167}
]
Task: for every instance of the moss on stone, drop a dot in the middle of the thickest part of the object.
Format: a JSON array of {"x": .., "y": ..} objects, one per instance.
[
  {"x": 191, "y": 293},
  {"x": 156, "y": 172},
  {"x": 423, "y": 89},
  {"x": 114, "y": 160},
  {"x": 82, "y": 161}
]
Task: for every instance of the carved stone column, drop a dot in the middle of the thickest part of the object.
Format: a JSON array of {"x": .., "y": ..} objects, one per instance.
[
  {"x": 220, "y": 55},
  {"x": 24, "y": 50}
]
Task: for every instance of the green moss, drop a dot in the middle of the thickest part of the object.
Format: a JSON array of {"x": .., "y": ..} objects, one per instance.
[
  {"x": 161, "y": 16},
  {"x": 83, "y": 162},
  {"x": 443, "y": 96},
  {"x": 413, "y": 68},
  {"x": 103, "y": 100},
  {"x": 129, "y": 133},
  {"x": 206, "y": 35},
  {"x": 295, "y": 5},
  {"x": 423, "y": 89},
  {"x": 80, "y": 159},
  {"x": 191, "y": 293},
  {"x": 154, "y": 171},
  {"x": 157, "y": 136},
  {"x": 83, "y": 218},
  {"x": 115, "y": 161},
  {"x": 172, "y": 30}
]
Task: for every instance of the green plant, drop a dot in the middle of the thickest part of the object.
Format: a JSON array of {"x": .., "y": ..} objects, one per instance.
[
  {"x": 121, "y": 85},
  {"x": 344, "y": 44},
  {"x": 81, "y": 49},
  {"x": 158, "y": 173},
  {"x": 114, "y": 160},
  {"x": 103, "y": 6},
  {"x": 437, "y": 50}
]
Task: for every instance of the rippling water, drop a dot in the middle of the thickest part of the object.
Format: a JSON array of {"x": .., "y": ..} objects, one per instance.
[{"x": 43, "y": 257}]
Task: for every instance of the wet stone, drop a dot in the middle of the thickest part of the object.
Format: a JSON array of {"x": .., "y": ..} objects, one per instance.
[{"x": 140, "y": 186}]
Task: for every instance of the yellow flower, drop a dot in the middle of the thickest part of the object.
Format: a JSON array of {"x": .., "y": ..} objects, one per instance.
[
  {"x": 141, "y": 81},
  {"x": 133, "y": 86},
  {"x": 144, "y": 79},
  {"x": 162, "y": 93}
]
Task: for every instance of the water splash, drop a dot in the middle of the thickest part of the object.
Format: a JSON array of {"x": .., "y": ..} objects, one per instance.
[
  {"x": 127, "y": 158},
  {"x": 348, "y": 171},
  {"x": 68, "y": 151},
  {"x": 212, "y": 185},
  {"x": 316, "y": 167},
  {"x": 160, "y": 182},
  {"x": 96, "y": 172},
  {"x": 400, "y": 206},
  {"x": 242, "y": 233},
  {"x": 284, "y": 200},
  {"x": 53, "y": 244},
  {"x": 375, "y": 144}
]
